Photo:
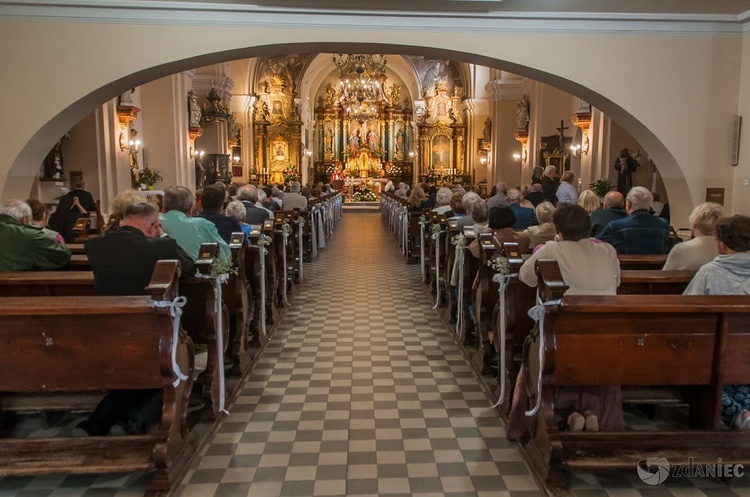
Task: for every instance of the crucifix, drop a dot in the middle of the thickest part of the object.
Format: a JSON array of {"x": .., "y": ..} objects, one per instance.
[{"x": 563, "y": 152}]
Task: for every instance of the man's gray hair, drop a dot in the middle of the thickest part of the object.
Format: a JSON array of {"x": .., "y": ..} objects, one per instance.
[
  {"x": 16, "y": 209},
  {"x": 549, "y": 170},
  {"x": 294, "y": 187},
  {"x": 248, "y": 193},
  {"x": 236, "y": 210},
  {"x": 469, "y": 200},
  {"x": 81, "y": 185},
  {"x": 514, "y": 195},
  {"x": 261, "y": 195},
  {"x": 140, "y": 210},
  {"x": 178, "y": 198},
  {"x": 443, "y": 196},
  {"x": 640, "y": 198}
]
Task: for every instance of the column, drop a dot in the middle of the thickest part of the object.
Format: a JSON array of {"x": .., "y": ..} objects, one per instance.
[
  {"x": 504, "y": 96},
  {"x": 599, "y": 138},
  {"x": 166, "y": 144},
  {"x": 477, "y": 110}
]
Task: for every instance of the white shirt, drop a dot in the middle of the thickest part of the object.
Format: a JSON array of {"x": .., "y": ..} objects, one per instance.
[{"x": 567, "y": 193}]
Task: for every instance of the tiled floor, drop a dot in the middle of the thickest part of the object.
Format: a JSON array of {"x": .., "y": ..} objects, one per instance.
[{"x": 362, "y": 391}]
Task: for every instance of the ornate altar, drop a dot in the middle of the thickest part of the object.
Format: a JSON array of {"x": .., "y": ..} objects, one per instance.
[
  {"x": 277, "y": 120},
  {"x": 442, "y": 130},
  {"x": 362, "y": 121}
]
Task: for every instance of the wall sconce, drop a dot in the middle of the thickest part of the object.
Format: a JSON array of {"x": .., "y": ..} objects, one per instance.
[
  {"x": 483, "y": 160},
  {"x": 578, "y": 151},
  {"x": 236, "y": 159},
  {"x": 197, "y": 154},
  {"x": 308, "y": 153},
  {"x": 411, "y": 155},
  {"x": 520, "y": 158}
]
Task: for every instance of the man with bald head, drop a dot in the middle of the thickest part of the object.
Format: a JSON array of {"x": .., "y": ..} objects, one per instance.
[
  {"x": 640, "y": 232},
  {"x": 614, "y": 208}
]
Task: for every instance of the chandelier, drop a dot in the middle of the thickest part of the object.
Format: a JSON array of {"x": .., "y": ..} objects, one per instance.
[
  {"x": 362, "y": 79},
  {"x": 213, "y": 110}
]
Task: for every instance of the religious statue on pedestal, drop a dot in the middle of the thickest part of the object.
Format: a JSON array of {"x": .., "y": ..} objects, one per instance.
[
  {"x": 194, "y": 110},
  {"x": 625, "y": 165},
  {"x": 522, "y": 116}
]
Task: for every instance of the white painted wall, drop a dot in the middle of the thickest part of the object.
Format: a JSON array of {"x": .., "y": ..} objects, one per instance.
[{"x": 678, "y": 103}]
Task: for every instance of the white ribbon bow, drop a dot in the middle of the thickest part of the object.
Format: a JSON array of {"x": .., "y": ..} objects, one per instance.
[
  {"x": 219, "y": 324},
  {"x": 502, "y": 281},
  {"x": 175, "y": 310},
  {"x": 538, "y": 313}
]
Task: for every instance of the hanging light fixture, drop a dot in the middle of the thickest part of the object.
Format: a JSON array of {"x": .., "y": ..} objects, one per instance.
[
  {"x": 362, "y": 79},
  {"x": 213, "y": 110}
]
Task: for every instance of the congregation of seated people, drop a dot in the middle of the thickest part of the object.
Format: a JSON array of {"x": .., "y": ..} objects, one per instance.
[{"x": 585, "y": 235}]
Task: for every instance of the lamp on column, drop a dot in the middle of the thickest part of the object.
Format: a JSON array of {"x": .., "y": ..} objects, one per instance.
[{"x": 520, "y": 158}]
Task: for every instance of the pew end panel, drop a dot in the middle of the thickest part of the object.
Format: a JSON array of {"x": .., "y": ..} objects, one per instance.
[{"x": 58, "y": 335}]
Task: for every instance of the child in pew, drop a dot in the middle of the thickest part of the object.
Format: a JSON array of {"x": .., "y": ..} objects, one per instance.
[
  {"x": 588, "y": 268},
  {"x": 729, "y": 274},
  {"x": 123, "y": 262}
]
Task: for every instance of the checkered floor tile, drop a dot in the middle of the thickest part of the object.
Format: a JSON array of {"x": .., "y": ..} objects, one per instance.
[{"x": 362, "y": 391}]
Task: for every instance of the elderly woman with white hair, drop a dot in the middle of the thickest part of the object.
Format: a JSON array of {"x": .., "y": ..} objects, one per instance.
[
  {"x": 693, "y": 254},
  {"x": 443, "y": 199},
  {"x": 468, "y": 201},
  {"x": 545, "y": 232}
]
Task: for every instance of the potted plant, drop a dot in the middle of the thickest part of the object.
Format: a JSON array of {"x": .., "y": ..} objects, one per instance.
[
  {"x": 149, "y": 177},
  {"x": 601, "y": 187}
]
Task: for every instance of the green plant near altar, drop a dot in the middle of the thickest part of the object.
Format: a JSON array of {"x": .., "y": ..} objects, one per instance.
[
  {"x": 144, "y": 177},
  {"x": 378, "y": 152},
  {"x": 363, "y": 193},
  {"x": 350, "y": 151},
  {"x": 290, "y": 174},
  {"x": 601, "y": 187}
]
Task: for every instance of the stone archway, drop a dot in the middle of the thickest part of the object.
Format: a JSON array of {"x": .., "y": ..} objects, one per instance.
[{"x": 644, "y": 109}]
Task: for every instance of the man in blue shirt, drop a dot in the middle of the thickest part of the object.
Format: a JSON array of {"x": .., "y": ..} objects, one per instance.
[{"x": 640, "y": 232}]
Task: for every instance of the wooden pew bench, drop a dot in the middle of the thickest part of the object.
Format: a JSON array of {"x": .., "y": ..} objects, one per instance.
[
  {"x": 199, "y": 315},
  {"x": 81, "y": 344},
  {"x": 696, "y": 343}
]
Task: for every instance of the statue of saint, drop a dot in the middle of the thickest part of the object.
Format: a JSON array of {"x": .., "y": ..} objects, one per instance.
[
  {"x": 194, "y": 110},
  {"x": 522, "y": 116},
  {"x": 625, "y": 165},
  {"x": 126, "y": 99},
  {"x": 487, "y": 132}
]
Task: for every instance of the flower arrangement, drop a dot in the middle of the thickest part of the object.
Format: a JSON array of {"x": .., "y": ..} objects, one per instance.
[
  {"x": 222, "y": 266},
  {"x": 350, "y": 173},
  {"x": 363, "y": 193},
  {"x": 423, "y": 220},
  {"x": 459, "y": 241},
  {"x": 396, "y": 170},
  {"x": 350, "y": 151},
  {"x": 286, "y": 228},
  {"x": 499, "y": 265},
  {"x": 378, "y": 152},
  {"x": 290, "y": 174},
  {"x": 435, "y": 230}
]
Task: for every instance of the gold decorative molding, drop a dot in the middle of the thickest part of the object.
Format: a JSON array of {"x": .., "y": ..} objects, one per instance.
[
  {"x": 582, "y": 120},
  {"x": 194, "y": 132},
  {"x": 522, "y": 137},
  {"x": 126, "y": 115}
]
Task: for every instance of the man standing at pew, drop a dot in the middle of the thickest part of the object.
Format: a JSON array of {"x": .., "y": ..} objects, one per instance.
[
  {"x": 248, "y": 195},
  {"x": 123, "y": 262},
  {"x": 640, "y": 232},
  {"x": 729, "y": 274},
  {"x": 23, "y": 247},
  {"x": 190, "y": 232}
]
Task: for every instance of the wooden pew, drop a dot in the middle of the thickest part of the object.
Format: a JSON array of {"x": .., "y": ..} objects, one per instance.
[
  {"x": 652, "y": 261},
  {"x": 92, "y": 344},
  {"x": 236, "y": 295},
  {"x": 653, "y": 282},
  {"x": 698, "y": 343},
  {"x": 199, "y": 314}
]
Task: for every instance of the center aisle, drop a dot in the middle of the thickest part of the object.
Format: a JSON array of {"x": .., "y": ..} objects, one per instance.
[{"x": 362, "y": 391}]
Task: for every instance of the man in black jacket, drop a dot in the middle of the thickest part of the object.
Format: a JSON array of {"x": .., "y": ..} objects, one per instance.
[{"x": 123, "y": 262}]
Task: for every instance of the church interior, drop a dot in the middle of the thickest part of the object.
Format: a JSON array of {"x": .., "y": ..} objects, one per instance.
[{"x": 338, "y": 355}]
